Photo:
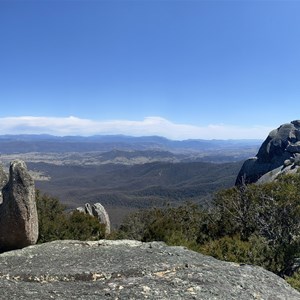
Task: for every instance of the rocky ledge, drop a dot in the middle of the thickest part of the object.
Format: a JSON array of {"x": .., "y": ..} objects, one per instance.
[{"x": 131, "y": 270}]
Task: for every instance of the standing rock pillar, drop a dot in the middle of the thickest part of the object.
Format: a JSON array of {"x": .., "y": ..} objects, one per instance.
[{"x": 18, "y": 213}]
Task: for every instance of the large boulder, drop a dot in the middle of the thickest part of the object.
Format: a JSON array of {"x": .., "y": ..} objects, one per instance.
[
  {"x": 18, "y": 213},
  {"x": 131, "y": 270},
  {"x": 100, "y": 212},
  {"x": 279, "y": 154}
]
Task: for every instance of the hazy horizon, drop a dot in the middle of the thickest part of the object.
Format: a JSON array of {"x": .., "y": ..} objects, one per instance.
[
  {"x": 148, "y": 127},
  {"x": 177, "y": 69}
]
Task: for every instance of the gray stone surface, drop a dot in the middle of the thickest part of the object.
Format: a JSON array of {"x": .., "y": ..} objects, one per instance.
[
  {"x": 278, "y": 154},
  {"x": 100, "y": 212},
  {"x": 3, "y": 182},
  {"x": 131, "y": 270},
  {"x": 81, "y": 209},
  {"x": 88, "y": 209},
  {"x": 18, "y": 213}
]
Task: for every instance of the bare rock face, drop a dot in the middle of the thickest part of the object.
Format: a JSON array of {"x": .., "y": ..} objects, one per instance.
[
  {"x": 279, "y": 154},
  {"x": 102, "y": 215},
  {"x": 88, "y": 209},
  {"x": 126, "y": 269},
  {"x": 18, "y": 213},
  {"x": 97, "y": 210},
  {"x": 3, "y": 182}
]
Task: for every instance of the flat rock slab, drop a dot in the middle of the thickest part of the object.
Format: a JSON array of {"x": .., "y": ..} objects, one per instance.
[{"x": 131, "y": 270}]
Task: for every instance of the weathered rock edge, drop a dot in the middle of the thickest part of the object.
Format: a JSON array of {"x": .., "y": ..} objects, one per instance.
[{"x": 131, "y": 270}]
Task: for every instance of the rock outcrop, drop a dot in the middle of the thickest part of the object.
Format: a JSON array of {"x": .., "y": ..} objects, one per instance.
[
  {"x": 279, "y": 154},
  {"x": 97, "y": 210},
  {"x": 3, "y": 182},
  {"x": 18, "y": 213},
  {"x": 131, "y": 270}
]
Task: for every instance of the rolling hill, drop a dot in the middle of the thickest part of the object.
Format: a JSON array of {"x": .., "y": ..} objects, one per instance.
[{"x": 122, "y": 188}]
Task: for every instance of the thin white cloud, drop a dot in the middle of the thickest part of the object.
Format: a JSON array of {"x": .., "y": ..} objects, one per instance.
[{"x": 148, "y": 126}]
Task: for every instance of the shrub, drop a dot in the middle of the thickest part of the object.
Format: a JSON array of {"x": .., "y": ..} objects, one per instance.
[
  {"x": 56, "y": 224},
  {"x": 294, "y": 280},
  {"x": 254, "y": 251},
  {"x": 173, "y": 225}
]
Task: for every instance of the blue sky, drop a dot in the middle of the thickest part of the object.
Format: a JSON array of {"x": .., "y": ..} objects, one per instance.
[{"x": 182, "y": 69}]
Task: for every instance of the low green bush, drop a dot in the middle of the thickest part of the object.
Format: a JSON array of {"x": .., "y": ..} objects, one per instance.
[
  {"x": 294, "y": 280},
  {"x": 57, "y": 224}
]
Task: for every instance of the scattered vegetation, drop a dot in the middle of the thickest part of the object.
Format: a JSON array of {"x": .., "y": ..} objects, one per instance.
[
  {"x": 57, "y": 224},
  {"x": 254, "y": 224}
]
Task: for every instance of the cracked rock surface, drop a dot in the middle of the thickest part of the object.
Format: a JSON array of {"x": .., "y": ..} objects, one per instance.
[{"x": 131, "y": 270}]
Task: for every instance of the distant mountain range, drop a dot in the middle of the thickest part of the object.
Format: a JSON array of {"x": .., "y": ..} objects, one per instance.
[{"x": 47, "y": 143}]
